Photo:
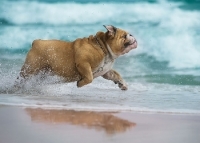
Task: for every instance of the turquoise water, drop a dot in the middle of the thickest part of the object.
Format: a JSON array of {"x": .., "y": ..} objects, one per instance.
[{"x": 163, "y": 73}]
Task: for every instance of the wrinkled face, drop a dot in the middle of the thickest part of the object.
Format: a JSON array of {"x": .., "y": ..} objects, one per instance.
[{"x": 120, "y": 41}]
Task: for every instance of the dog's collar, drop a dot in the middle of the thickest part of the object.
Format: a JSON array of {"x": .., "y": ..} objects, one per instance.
[
  {"x": 97, "y": 41},
  {"x": 110, "y": 53}
]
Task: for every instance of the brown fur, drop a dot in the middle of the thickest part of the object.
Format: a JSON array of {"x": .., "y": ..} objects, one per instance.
[{"x": 77, "y": 60}]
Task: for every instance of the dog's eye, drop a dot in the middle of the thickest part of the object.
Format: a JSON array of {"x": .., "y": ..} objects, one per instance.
[{"x": 124, "y": 36}]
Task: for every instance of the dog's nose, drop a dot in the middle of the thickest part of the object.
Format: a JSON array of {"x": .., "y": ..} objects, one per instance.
[
  {"x": 133, "y": 38},
  {"x": 130, "y": 35}
]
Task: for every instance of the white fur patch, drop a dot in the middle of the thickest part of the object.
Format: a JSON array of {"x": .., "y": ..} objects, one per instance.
[
  {"x": 106, "y": 64},
  {"x": 103, "y": 67}
]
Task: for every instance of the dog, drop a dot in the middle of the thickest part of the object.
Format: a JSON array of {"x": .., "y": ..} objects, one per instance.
[{"x": 81, "y": 60}]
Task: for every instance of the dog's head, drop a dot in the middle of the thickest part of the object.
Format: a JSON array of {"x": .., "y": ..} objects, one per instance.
[{"x": 119, "y": 41}]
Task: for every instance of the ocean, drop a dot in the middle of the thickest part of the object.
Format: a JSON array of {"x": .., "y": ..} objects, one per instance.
[{"x": 163, "y": 73}]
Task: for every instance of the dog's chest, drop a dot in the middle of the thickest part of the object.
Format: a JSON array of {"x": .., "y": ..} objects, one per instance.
[{"x": 103, "y": 67}]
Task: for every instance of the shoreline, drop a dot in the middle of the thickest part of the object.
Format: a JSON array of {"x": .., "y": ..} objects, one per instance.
[{"x": 30, "y": 125}]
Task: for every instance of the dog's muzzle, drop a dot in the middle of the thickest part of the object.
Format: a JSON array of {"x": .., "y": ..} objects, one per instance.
[{"x": 130, "y": 43}]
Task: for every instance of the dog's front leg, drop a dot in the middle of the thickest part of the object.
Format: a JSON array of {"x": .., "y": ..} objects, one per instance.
[
  {"x": 116, "y": 78},
  {"x": 86, "y": 74}
]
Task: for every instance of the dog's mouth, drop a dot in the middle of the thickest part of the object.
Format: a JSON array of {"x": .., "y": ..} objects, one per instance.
[
  {"x": 126, "y": 45},
  {"x": 129, "y": 46}
]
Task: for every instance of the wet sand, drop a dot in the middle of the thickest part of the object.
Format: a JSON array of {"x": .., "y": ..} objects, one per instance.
[{"x": 29, "y": 125}]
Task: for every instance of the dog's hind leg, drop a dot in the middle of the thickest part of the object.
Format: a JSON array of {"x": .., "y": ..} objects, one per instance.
[
  {"x": 24, "y": 75},
  {"x": 31, "y": 67}
]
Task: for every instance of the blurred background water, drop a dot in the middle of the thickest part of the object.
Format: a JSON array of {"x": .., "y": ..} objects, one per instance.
[{"x": 163, "y": 73}]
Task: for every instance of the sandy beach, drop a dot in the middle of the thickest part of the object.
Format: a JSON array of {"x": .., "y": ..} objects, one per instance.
[{"x": 35, "y": 125}]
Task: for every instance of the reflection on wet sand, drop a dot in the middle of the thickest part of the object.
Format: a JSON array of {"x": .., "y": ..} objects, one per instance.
[{"x": 91, "y": 119}]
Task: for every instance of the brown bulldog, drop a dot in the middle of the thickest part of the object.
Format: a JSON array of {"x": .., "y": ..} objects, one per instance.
[{"x": 81, "y": 60}]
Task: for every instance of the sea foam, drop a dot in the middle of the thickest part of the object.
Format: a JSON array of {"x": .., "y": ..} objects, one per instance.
[
  {"x": 167, "y": 36},
  {"x": 163, "y": 29}
]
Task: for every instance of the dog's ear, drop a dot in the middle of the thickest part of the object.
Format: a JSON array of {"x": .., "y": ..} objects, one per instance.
[{"x": 111, "y": 29}]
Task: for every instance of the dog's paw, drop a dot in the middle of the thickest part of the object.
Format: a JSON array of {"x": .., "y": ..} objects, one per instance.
[
  {"x": 123, "y": 86},
  {"x": 83, "y": 82},
  {"x": 79, "y": 84}
]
